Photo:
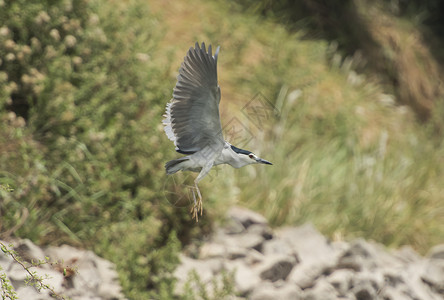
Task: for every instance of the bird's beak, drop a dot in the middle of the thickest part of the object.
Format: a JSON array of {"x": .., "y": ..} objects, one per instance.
[{"x": 263, "y": 161}]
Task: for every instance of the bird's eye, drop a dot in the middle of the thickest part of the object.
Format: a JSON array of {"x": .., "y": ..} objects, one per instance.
[{"x": 251, "y": 156}]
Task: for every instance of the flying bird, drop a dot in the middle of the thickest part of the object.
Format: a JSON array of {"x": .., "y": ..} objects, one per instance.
[{"x": 192, "y": 122}]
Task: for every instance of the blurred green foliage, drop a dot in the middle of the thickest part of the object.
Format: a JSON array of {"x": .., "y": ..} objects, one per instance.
[{"x": 81, "y": 103}]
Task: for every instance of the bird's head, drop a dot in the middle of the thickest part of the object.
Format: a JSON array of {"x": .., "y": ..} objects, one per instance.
[{"x": 245, "y": 157}]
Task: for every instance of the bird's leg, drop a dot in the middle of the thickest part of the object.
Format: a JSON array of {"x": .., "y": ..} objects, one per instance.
[
  {"x": 198, "y": 206},
  {"x": 197, "y": 203},
  {"x": 194, "y": 211}
]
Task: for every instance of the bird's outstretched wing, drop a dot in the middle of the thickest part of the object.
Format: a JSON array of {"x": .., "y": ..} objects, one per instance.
[{"x": 192, "y": 119}]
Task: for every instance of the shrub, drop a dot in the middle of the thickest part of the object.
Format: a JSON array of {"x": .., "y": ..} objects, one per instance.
[{"x": 81, "y": 100}]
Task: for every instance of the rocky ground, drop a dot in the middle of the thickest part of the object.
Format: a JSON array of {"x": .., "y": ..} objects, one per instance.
[
  {"x": 261, "y": 263},
  {"x": 73, "y": 273},
  {"x": 300, "y": 263}
]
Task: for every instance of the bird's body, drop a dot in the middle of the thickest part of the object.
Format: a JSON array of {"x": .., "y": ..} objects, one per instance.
[
  {"x": 192, "y": 121},
  {"x": 196, "y": 162}
]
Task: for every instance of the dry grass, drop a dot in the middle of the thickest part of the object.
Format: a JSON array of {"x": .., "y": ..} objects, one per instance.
[{"x": 408, "y": 59}]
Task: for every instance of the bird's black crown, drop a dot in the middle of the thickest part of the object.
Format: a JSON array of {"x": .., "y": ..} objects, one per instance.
[{"x": 240, "y": 151}]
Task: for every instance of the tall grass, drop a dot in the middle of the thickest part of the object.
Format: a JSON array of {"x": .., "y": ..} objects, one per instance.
[
  {"x": 350, "y": 163},
  {"x": 346, "y": 156}
]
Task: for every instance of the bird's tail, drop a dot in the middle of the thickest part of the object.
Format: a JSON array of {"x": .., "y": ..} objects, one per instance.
[{"x": 174, "y": 165}]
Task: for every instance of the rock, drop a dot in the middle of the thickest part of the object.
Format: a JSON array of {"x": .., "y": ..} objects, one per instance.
[
  {"x": 5, "y": 260},
  {"x": 308, "y": 243},
  {"x": 65, "y": 253},
  {"x": 391, "y": 293},
  {"x": 245, "y": 278},
  {"x": 322, "y": 290},
  {"x": 16, "y": 272},
  {"x": 304, "y": 275},
  {"x": 246, "y": 241},
  {"x": 268, "y": 291},
  {"x": 365, "y": 286},
  {"x": 278, "y": 246},
  {"x": 364, "y": 292},
  {"x": 93, "y": 278},
  {"x": 341, "y": 280},
  {"x": 300, "y": 263},
  {"x": 235, "y": 252},
  {"x": 246, "y": 217},
  {"x": 52, "y": 278},
  {"x": 358, "y": 257},
  {"x": 254, "y": 257},
  {"x": 414, "y": 285},
  {"x": 437, "y": 252},
  {"x": 393, "y": 278},
  {"x": 93, "y": 275},
  {"x": 29, "y": 252},
  {"x": 314, "y": 252},
  {"x": 433, "y": 275},
  {"x": 276, "y": 267},
  {"x": 233, "y": 226},
  {"x": 261, "y": 230},
  {"x": 407, "y": 255},
  {"x": 206, "y": 270},
  {"x": 212, "y": 250},
  {"x": 29, "y": 292}
]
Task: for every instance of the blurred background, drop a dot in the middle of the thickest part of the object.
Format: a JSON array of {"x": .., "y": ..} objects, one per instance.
[{"x": 346, "y": 98}]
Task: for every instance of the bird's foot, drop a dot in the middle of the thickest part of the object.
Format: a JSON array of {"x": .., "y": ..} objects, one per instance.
[{"x": 197, "y": 207}]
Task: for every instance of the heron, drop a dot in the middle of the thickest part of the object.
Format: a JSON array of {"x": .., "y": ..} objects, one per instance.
[{"x": 192, "y": 122}]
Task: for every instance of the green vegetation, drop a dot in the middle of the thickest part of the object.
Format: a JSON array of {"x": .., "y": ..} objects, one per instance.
[
  {"x": 32, "y": 278},
  {"x": 83, "y": 85}
]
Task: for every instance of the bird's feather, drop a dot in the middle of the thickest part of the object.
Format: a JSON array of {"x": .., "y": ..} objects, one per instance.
[{"x": 192, "y": 119}]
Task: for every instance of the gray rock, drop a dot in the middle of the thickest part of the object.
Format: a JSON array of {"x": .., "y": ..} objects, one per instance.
[
  {"x": 315, "y": 253},
  {"x": 414, "y": 284},
  {"x": 391, "y": 293},
  {"x": 278, "y": 246},
  {"x": 276, "y": 267},
  {"x": 261, "y": 230},
  {"x": 358, "y": 257},
  {"x": 366, "y": 285},
  {"x": 433, "y": 275},
  {"x": 64, "y": 253},
  {"x": 407, "y": 255},
  {"x": 212, "y": 250},
  {"x": 308, "y": 243},
  {"x": 16, "y": 272},
  {"x": 437, "y": 252},
  {"x": 95, "y": 278},
  {"x": 341, "y": 280},
  {"x": 29, "y": 252},
  {"x": 300, "y": 263},
  {"x": 268, "y": 291},
  {"x": 304, "y": 275},
  {"x": 205, "y": 269},
  {"x": 246, "y": 217},
  {"x": 233, "y": 226},
  {"x": 52, "y": 278},
  {"x": 245, "y": 278},
  {"x": 393, "y": 278},
  {"x": 247, "y": 241},
  {"x": 254, "y": 257},
  {"x": 29, "y": 292},
  {"x": 322, "y": 290},
  {"x": 5, "y": 260},
  {"x": 235, "y": 252}
]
